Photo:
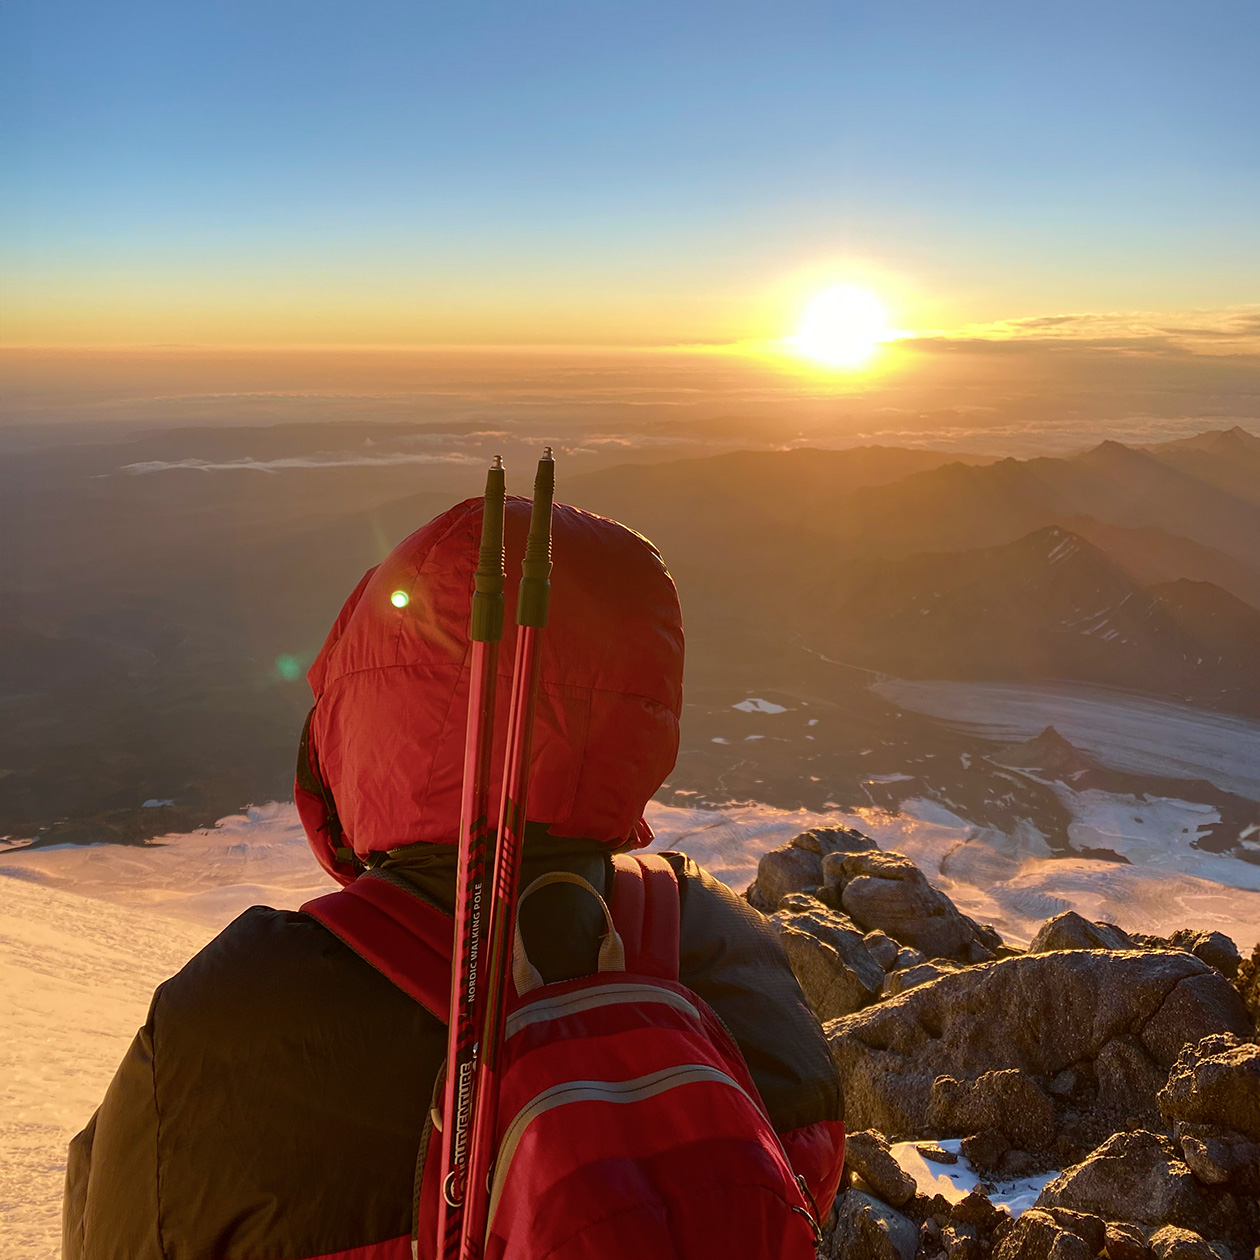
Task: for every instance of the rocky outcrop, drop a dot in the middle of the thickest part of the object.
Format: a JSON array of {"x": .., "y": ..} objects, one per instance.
[
  {"x": 1040, "y": 1013},
  {"x": 798, "y": 866},
  {"x": 1038, "y": 1236},
  {"x": 829, "y": 956},
  {"x": 887, "y": 892},
  {"x": 783, "y": 871},
  {"x": 1216, "y": 1081},
  {"x": 1140, "y": 1178},
  {"x": 1070, "y": 930}
]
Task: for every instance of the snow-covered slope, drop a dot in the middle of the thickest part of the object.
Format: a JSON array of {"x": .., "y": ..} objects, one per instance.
[{"x": 87, "y": 933}]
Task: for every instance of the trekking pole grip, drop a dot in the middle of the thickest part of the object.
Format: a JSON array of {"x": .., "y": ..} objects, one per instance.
[
  {"x": 534, "y": 596},
  {"x": 486, "y": 624}
]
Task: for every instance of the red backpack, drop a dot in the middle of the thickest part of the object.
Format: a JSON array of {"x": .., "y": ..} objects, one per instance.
[{"x": 629, "y": 1125}]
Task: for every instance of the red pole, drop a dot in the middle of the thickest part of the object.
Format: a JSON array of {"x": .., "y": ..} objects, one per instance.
[
  {"x": 485, "y": 631},
  {"x": 531, "y": 617}
]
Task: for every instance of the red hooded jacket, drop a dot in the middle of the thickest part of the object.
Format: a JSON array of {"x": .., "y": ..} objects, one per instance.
[{"x": 391, "y": 688}]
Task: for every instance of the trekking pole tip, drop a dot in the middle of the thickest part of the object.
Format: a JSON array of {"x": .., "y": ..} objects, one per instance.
[
  {"x": 497, "y": 461},
  {"x": 547, "y": 453}
]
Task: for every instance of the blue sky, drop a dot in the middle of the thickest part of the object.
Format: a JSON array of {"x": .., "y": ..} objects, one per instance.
[{"x": 636, "y": 172}]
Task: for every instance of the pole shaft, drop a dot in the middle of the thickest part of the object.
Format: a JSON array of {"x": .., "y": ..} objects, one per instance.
[
  {"x": 532, "y": 610},
  {"x": 475, "y": 838}
]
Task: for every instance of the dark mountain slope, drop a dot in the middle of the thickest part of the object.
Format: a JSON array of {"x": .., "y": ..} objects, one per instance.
[{"x": 1047, "y": 606}]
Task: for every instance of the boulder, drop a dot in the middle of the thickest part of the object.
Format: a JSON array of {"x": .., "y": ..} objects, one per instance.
[
  {"x": 1215, "y": 948},
  {"x": 1127, "y": 1242},
  {"x": 829, "y": 957},
  {"x": 1038, "y": 1236},
  {"x": 1202, "y": 1001},
  {"x": 1217, "y": 1155},
  {"x": 907, "y": 958},
  {"x": 1009, "y": 1101},
  {"x": 867, "y": 1229},
  {"x": 1137, "y": 1177},
  {"x": 899, "y": 981},
  {"x": 1171, "y": 1243},
  {"x": 1216, "y": 1081},
  {"x": 975, "y": 1209},
  {"x": 1040, "y": 1013},
  {"x": 882, "y": 948},
  {"x": 985, "y": 1150},
  {"x": 887, "y": 891},
  {"x": 866, "y": 1153},
  {"x": 781, "y": 871},
  {"x": 1070, "y": 930},
  {"x": 1093, "y": 1229}
]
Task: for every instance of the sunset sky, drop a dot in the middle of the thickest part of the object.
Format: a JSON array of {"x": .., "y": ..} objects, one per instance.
[{"x": 630, "y": 174}]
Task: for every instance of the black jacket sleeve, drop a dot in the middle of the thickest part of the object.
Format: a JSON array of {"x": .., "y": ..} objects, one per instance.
[
  {"x": 112, "y": 1171},
  {"x": 732, "y": 958}
]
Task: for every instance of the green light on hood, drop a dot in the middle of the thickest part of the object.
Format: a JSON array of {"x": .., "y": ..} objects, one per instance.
[{"x": 400, "y": 599}]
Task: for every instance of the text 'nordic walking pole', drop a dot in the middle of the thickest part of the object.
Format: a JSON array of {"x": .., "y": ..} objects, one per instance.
[
  {"x": 484, "y": 632},
  {"x": 531, "y": 616}
]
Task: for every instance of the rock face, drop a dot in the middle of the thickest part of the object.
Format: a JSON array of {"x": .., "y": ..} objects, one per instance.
[
  {"x": 1216, "y": 1082},
  {"x": 867, "y": 1154},
  {"x": 1009, "y": 1101},
  {"x": 886, "y": 891},
  {"x": 1070, "y": 931},
  {"x": 1040, "y": 1013},
  {"x": 836, "y": 971}
]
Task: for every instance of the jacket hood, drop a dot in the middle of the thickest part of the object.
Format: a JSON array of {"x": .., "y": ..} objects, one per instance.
[{"x": 386, "y": 735}]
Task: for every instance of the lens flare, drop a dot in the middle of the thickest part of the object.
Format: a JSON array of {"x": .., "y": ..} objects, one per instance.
[{"x": 400, "y": 599}]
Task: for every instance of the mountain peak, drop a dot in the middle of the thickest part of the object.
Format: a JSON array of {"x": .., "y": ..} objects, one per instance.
[{"x": 1048, "y": 752}]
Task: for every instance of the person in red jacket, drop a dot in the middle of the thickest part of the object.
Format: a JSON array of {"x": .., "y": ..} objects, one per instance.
[{"x": 274, "y": 1102}]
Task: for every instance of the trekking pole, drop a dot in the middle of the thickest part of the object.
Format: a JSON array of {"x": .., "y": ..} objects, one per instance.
[
  {"x": 531, "y": 617},
  {"x": 484, "y": 632}
]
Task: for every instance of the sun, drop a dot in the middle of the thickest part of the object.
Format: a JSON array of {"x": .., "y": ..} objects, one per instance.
[{"x": 842, "y": 327}]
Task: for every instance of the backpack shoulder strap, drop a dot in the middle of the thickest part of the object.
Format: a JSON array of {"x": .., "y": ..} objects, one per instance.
[
  {"x": 645, "y": 909},
  {"x": 405, "y": 938}
]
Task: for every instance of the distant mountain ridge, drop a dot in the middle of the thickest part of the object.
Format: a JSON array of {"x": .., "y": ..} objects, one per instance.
[
  {"x": 946, "y": 571},
  {"x": 1049, "y": 605}
]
